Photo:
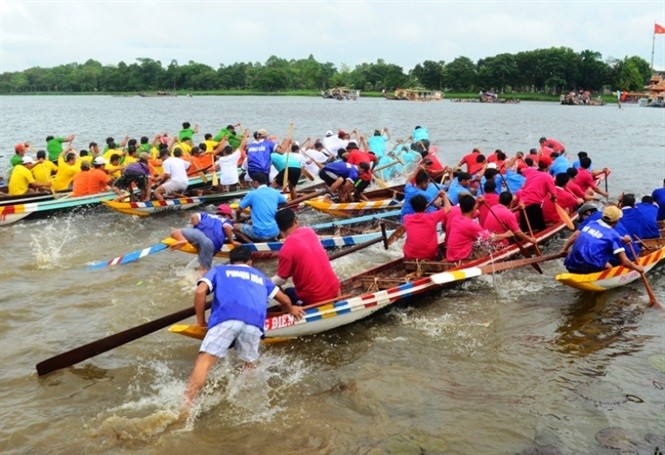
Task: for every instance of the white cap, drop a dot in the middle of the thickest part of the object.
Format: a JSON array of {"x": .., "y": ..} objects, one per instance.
[
  {"x": 491, "y": 165},
  {"x": 99, "y": 160},
  {"x": 27, "y": 160},
  {"x": 329, "y": 133}
]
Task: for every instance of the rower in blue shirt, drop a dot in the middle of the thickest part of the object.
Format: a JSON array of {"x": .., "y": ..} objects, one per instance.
[{"x": 596, "y": 244}]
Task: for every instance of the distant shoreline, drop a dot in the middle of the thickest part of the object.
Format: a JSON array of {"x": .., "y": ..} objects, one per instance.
[{"x": 609, "y": 99}]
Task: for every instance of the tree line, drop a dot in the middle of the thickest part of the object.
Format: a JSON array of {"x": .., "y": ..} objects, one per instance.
[{"x": 547, "y": 71}]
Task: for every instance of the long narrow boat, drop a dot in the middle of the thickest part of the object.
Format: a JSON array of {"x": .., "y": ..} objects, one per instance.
[
  {"x": 378, "y": 200},
  {"x": 376, "y": 289},
  {"x": 196, "y": 198},
  {"x": 14, "y": 212},
  {"x": 616, "y": 276},
  {"x": 270, "y": 250}
]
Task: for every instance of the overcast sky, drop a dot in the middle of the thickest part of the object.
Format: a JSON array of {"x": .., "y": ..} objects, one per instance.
[{"x": 50, "y": 33}]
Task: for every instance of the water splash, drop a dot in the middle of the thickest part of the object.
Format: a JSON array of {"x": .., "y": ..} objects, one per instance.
[{"x": 51, "y": 243}]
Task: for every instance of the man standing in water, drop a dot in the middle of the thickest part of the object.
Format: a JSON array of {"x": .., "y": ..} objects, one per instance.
[{"x": 238, "y": 315}]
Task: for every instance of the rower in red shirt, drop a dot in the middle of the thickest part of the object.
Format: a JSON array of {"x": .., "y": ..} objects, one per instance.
[
  {"x": 303, "y": 259},
  {"x": 471, "y": 162},
  {"x": 564, "y": 198},
  {"x": 537, "y": 186},
  {"x": 464, "y": 232},
  {"x": 422, "y": 240},
  {"x": 552, "y": 144},
  {"x": 501, "y": 219},
  {"x": 585, "y": 178},
  {"x": 357, "y": 156}
]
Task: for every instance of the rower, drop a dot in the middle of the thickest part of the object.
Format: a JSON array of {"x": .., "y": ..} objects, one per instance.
[
  {"x": 596, "y": 245},
  {"x": 237, "y": 315},
  {"x": 422, "y": 240},
  {"x": 303, "y": 259},
  {"x": 21, "y": 180},
  {"x": 264, "y": 203},
  {"x": 174, "y": 179}
]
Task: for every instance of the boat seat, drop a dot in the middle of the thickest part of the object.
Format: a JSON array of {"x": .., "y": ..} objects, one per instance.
[{"x": 373, "y": 284}]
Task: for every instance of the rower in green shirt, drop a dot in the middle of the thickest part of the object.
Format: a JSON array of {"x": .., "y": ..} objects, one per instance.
[{"x": 54, "y": 146}]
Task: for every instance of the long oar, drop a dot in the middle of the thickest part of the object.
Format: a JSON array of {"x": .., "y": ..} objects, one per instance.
[
  {"x": 470, "y": 272},
  {"x": 89, "y": 350},
  {"x": 528, "y": 225},
  {"x": 360, "y": 246},
  {"x": 652, "y": 297},
  {"x": 130, "y": 257}
]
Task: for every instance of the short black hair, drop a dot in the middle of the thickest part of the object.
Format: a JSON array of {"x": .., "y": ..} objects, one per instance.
[
  {"x": 240, "y": 254},
  {"x": 48, "y": 138},
  {"x": 561, "y": 179},
  {"x": 628, "y": 200},
  {"x": 41, "y": 154},
  {"x": 505, "y": 198},
  {"x": 421, "y": 177},
  {"x": 260, "y": 178},
  {"x": 645, "y": 199},
  {"x": 285, "y": 218},
  {"x": 466, "y": 202},
  {"x": 500, "y": 155},
  {"x": 572, "y": 172},
  {"x": 144, "y": 139},
  {"x": 585, "y": 162},
  {"x": 418, "y": 203},
  {"x": 463, "y": 176},
  {"x": 177, "y": 152},
  {"x": 489, "y": 186},
  {"x": 185, "y": 125},
  {"x": 480, "y": 158}
]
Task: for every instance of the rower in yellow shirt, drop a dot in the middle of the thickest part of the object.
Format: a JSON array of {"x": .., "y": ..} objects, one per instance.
[
  {"x": 68, "y": 166},
  {"x": 21, "y": 181},
  {"x": 43, "y": 169},
  {"x": 113, "y": 167}
]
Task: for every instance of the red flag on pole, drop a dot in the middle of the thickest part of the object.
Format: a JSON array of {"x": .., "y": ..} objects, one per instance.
[{"x": 658, "y": 29}]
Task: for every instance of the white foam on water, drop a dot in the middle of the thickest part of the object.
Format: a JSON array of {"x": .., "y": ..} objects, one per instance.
[
  {"x": 239, "y": 396},
  {"x": 53, "y": 243}
]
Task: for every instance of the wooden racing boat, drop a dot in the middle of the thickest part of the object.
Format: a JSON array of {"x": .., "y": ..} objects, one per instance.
[
  {"x": 378, "y": 200},
  {"x": 652, "y": 254},
  {"x": 378, "y": 288},
  {"x": 270, "y": 250}
]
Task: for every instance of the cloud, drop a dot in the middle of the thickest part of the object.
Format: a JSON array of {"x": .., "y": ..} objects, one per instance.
[{"x": 404, "y": 33}]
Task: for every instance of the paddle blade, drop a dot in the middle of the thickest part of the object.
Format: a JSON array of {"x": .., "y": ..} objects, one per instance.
[
  {"x": 395, "y": 236},
  {"x": 129, "y": 257},
  {"x": 565, "y": 218},
  {"x": 456, "y": 275}
]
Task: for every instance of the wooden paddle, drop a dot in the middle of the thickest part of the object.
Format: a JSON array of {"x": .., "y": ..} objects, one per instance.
[
  {"x": 215, "y": 179},
  {"x": 379, "y": 181},
  {"x": 470, "y": 272},
  {"x": 353, "y": 249},
  {"x": 652, "y": 297},
  {"x": 523, "y": 250},
  {"x": 89, "y": 350},
  {"x": 564, "y": 217},
  {"x": 285, "y": 182},
  {"x": 528, "y": 225}
]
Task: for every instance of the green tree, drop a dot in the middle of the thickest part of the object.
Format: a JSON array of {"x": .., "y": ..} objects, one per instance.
[
  {"x": 429, "y": 74},
  {"x": 460, "y": 75}
]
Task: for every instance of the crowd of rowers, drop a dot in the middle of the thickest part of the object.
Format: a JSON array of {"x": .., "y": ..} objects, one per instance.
[{"x": 493, "y": 197}]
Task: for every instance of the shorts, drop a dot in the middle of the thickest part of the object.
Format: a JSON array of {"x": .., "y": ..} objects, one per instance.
[
  {"x": 220, "y": 338},
  {"x": 248, "y": 230},
  {"x": 127, "y": 178},
  {"x": 203, "y": 244},
  {"x": 173, "y": 186},
  {"x": 294, "y": 177},
  {"x": 328, "y": 177},
  {"x": 360, "y": 185}
]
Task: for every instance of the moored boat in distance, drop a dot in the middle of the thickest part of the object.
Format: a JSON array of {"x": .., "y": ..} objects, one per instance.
[
  {"x": 414, "y": 94},
  {"x": 341, "y": 93}
]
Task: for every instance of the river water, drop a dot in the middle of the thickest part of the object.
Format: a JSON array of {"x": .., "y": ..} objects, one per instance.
[{"x": 508, "y": 364}]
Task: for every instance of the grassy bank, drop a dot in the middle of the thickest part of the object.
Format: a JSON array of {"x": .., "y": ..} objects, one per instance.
[{"x": 609, "y": 99}]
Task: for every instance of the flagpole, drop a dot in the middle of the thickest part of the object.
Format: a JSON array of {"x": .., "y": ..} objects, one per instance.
[{"x": 653, "y": 46}]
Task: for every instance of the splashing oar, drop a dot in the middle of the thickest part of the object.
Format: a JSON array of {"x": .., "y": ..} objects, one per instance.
[
  {"x": 130, "y": 257},
  {"x": 652, "y": 297}
]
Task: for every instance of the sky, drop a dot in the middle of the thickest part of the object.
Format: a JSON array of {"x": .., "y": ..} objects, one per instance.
[{"x": 50, "y": 33}]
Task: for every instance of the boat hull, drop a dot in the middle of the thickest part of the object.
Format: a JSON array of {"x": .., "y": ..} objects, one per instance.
[{"x": 611, "y": 278}]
